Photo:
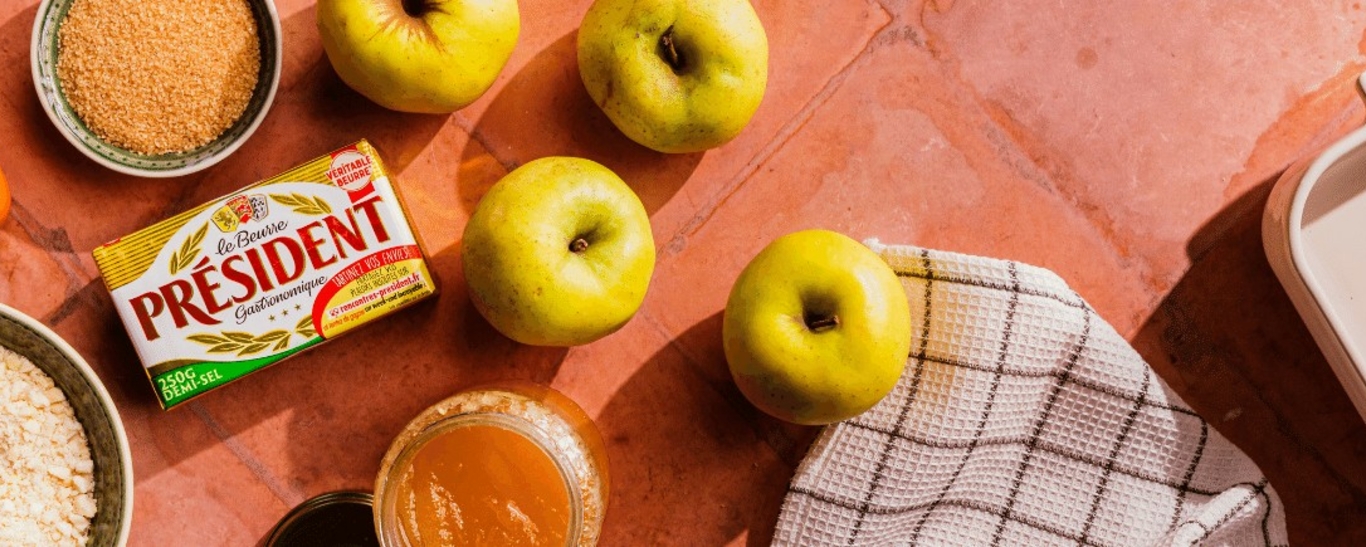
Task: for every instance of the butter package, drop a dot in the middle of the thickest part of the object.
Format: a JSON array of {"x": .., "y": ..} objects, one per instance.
[{"x": 250, "y": 279}]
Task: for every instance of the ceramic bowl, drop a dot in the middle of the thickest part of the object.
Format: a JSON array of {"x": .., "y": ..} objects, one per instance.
[
  {"x": 95, "y": 410},
  {"x": 43, "y": 58}
]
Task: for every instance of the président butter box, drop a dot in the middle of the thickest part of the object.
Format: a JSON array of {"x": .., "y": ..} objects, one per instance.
[{"x": 247, "y": 280}]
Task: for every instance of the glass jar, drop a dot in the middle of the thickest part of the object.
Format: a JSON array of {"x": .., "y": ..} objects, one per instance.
[{"x": 492, "y": 464}]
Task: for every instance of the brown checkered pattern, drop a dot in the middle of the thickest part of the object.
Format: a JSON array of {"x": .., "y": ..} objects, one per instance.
[{"x": 1022, "y": 419}]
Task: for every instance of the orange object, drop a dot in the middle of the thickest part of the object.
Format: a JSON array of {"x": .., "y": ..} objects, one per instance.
[
  {"x": 4, "y": 197},
  {"x": 483, "y": 485},
  {"x": 508, "y": 465}
]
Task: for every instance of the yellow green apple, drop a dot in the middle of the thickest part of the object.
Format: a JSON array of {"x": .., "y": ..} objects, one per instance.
[
  {"x": 817, "y": 328},
  {"x": 427, "y": 56},
  {"x": 674, "y": 75},
  {"x": 558, "y": 253}
]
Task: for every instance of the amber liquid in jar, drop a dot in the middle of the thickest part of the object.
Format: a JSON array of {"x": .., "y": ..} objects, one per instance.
[
  {"x": 507, "y": 465},
  {"x": 483, "y": 485}
]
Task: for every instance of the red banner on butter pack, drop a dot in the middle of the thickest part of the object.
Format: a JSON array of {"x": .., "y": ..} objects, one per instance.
[
  {"x": 226, "y": 288},
  {"x": 372, "y": 285}
]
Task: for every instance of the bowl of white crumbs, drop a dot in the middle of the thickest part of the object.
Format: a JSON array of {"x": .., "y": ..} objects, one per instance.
[{"x": 66, "y": 475}]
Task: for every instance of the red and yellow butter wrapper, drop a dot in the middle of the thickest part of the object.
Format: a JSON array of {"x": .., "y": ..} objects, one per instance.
[{"x": 250, "y": 279}]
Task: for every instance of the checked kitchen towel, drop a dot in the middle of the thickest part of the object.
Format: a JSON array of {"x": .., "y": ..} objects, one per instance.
[{"x": 1022, "y": 419}]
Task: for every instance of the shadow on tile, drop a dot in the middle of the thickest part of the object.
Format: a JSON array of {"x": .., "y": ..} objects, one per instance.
[
  {"x": 682, "y": 453},
  {"x": 545, "y": 111},
  {"x": 701, "y": 345},
  {"x": 1229, "y": 341}
]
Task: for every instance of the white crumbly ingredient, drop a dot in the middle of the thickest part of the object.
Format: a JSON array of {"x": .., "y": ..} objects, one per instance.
[{"x": 45, "y": 466}]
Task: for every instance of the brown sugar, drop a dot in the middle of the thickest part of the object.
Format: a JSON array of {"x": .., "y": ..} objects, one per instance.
[{"x": 158, "y": 76}]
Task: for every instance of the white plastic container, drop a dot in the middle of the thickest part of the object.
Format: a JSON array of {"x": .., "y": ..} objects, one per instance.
[{"x": 1314, "y": 233}]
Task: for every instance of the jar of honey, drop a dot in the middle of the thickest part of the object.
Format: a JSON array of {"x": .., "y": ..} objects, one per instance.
[{"x": 512, "y": 464}]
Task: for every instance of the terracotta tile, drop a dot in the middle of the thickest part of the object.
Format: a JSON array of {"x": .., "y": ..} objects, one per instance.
[
  {"x": 205, "y": 495},
  {"x": 889, "y": 173},
  {"x": 1143, "y": 114},
  {"x": 543, "y": 109},
  {"x": 1116, "y": 144},
  {"x": 17, "y": 9},
  {"x": 32, "y": 279},
  {"x": 701, "y": 345},
  {"x": 543, "y": 23},
  {"x": 883, "y": 158}
]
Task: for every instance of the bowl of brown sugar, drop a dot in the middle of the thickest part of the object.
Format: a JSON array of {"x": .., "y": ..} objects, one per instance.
[{"x": 156, "y": 88}]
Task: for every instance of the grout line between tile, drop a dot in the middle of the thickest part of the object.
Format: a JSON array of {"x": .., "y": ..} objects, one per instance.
[
  {"x": 470, "y": 129},
  {"x": 76, "y": 275},
  {"x": 75, "y": 301},
  {"x": 779, "y": 140},
  {"x": 286, "y": 494}
]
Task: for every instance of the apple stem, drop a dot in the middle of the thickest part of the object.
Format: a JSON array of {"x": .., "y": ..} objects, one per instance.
[
  {"x": 578, "y": 245},
  {"x": 415, "y": 8},
  {"x": 671, "y": 50},
  {"x": 823, "y": 324}
]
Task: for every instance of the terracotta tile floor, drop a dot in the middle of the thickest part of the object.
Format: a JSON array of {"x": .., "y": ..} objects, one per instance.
[{"x": 1128, "y": 146}]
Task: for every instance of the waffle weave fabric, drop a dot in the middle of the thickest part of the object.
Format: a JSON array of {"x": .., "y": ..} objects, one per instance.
[{"x": 1022, "y": 419}]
